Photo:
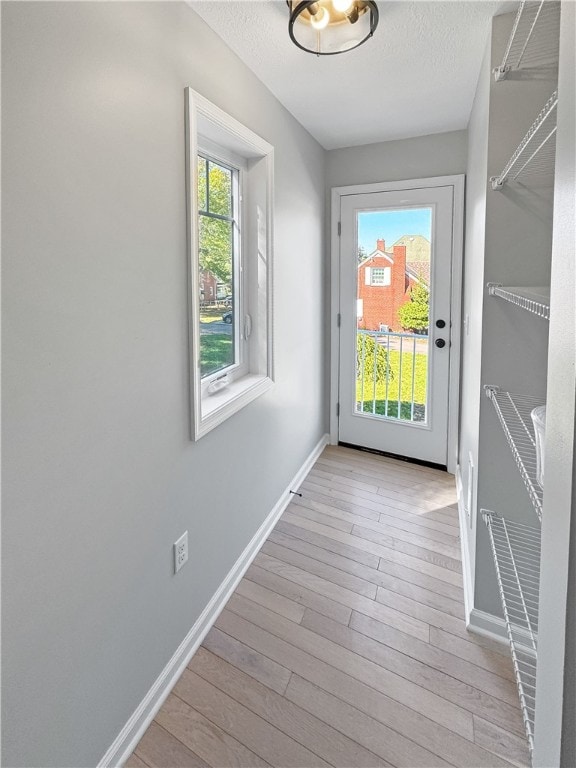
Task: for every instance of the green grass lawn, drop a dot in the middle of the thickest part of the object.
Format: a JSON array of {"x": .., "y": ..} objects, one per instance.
[
  {"x": 376, "y": 401},
  {"x": 216, "y": 352}
]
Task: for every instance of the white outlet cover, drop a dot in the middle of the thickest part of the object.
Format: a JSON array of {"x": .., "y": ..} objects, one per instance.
[{"x": 180, "y": 552}]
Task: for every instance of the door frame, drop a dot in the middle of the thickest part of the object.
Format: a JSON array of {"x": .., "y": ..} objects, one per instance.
[{"x": 457, "y": 182}]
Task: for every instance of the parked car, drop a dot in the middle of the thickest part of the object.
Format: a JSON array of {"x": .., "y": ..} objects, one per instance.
[{"x": 227, "y": 317}]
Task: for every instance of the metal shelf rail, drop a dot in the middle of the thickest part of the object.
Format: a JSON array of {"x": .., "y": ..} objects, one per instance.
[
  {"x": 535, "y": 154},
  {"x": 534, "y": 38},
  {"x": 534, "y": 300},
  {"x": 516, "y": 551},
  {"x": 514, "y": 412}
]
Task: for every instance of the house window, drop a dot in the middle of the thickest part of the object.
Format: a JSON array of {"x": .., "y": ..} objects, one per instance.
[
  {"x": 229, "y": 170},
  {"x": 380, "y": 276}
]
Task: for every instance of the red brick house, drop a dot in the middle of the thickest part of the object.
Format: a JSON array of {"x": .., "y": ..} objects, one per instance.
[
  {"x": 211, "y": 289},
  {"x": 384, "y": 283},
  {"x": 208, "y": 285}
]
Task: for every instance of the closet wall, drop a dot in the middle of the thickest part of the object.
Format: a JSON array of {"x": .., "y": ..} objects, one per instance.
[
  {"x": 518, "y": 248},
  {"x": 511, "y": 230},
  {"x": 555, "y": 741}
]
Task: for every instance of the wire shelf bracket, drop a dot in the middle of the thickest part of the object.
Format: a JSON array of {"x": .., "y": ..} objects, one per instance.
[
  {"x": 516, "y": 552},
  {"x": 533, "y": 41},
  {"x": 514, "y": 413},
  {"x": 536, "y": 151},
  {"x": 534, "y": 300}
]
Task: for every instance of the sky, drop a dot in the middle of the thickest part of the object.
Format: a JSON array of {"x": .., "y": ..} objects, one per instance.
[{"x": 390, "y": 225}]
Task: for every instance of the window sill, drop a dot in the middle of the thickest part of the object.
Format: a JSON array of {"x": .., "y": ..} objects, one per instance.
[{"x": 220, "y": 406}]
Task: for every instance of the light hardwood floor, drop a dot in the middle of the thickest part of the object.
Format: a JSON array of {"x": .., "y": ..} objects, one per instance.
[{"x": 345, "y": 645}]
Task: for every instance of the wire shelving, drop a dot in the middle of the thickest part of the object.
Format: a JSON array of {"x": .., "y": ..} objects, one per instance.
[
  {"x": 534, "y": 300},
  {"x": 535, "y": 154},
  {"x": 514, "y": 412},
  {"x": 533, "y": 41},
  {"x": 516, "y": 551}
]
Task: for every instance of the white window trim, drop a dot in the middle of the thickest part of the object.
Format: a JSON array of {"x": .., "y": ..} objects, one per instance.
[
  {"x": 206, "y": 124},
  {"x": 386, "y": 277}
]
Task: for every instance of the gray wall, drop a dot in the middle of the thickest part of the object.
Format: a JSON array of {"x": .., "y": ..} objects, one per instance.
[
  {"x": 100, "y": 477},
  {"x": 439, "y": 154},
  {"x": 556, "y": 685}
]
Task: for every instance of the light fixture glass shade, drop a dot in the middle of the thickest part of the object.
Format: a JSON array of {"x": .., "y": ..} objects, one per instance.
[
  {"x": 346, "y": 29},
  {"x": 341, "y": 5},
  {"x": 321, "y": 19}
]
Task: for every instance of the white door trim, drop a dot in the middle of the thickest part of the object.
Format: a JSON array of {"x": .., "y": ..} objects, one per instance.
[{"x": 457, "y": 182}]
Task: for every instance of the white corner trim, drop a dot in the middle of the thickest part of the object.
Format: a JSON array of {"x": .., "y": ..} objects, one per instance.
[
  {"x": 467, "y": 580},
  {"x": 126, "y": 741},
  {"x": 458, "y": 200}
]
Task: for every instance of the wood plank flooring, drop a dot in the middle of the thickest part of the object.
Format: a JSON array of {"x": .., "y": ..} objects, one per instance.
[{"x": 345, "y": 645}]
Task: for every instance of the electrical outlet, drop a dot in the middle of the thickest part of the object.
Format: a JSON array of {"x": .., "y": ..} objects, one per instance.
[{"x": 180, "y": 552}]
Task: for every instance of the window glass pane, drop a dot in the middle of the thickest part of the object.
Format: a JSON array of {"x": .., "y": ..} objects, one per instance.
[
  {"x": 219, "y": 189},
  {"x": 201, "y": 184},
  {"x": 393, "y": 284},
  {"x": 217, "y": 319}
]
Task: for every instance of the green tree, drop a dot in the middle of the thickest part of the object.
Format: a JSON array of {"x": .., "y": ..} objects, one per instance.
[
  {"x": 366, "y": 367},
  {"x": 215, "y": 252},
  {"x": 215, "y": 235},
  {"x": 361, "y": 253},
  {"x": 413, "y": 315}
]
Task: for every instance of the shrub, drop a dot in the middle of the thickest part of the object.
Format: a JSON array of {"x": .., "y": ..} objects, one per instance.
[
  {"x": 366, "y": 348},
  {"x": 413, "y": 315}
]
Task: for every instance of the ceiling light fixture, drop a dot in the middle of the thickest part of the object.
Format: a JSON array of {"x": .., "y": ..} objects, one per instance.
[{"x": 328, "y": 27}]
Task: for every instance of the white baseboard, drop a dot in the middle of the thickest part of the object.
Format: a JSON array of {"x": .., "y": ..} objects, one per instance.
[
  {"x": 478, "y": 622},
  {"x": 494, "y": 627},
  {"x": 124, "y": 744},
  {"x": 487, "y": 625},
  {"x": 467, "y": 577}
]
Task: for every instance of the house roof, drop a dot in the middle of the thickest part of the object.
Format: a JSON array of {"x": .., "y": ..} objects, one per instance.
[
  {"x": 417, "y": 247},
  {"x": 422, "y": 269},
  {"x": 375, "y": 254}
]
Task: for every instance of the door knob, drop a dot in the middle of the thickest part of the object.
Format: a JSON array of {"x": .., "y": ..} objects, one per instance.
[
  {"x": 440, "y": 343},
  {"x": 440, "y": 323}
]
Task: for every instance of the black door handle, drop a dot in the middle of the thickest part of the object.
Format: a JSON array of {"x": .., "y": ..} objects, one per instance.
[
  {"x": 440, "y": 343},
  {"x": 440, "y": 323}
]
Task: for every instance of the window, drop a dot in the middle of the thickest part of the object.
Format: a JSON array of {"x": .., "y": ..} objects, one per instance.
[
  {"x": 380, "y": 276},
  {"x": 230, "y": 171},
  {"x": 219, "y": 254}
]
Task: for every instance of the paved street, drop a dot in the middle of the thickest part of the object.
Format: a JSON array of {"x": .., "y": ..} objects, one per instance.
[
  {"x": 408, "y": 344},
  {"x": 215, "y": 327}
]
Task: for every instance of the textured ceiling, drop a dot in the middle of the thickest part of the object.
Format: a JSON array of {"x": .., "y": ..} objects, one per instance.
[{"x": 416, "y": 76}]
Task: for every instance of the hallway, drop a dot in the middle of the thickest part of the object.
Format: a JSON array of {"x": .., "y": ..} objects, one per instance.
[{"x": 344, "y": 644}]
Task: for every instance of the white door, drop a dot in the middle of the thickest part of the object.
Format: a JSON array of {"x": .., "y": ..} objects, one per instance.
[{"x": 396, "y": 255}]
